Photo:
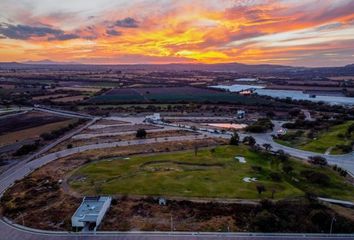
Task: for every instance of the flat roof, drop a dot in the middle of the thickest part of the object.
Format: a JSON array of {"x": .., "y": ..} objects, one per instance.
[{"x": 90, "y": 208}]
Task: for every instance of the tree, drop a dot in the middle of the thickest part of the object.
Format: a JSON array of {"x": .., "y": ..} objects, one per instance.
[
  {"x": 235, "y": 139},
  {"x": 267, "y": 147},
  {"x": 249, "y": 140},
  {"x": 282, "y": 156},
  {"x": 287, "y": 169},
  {"x": 260, "y": 188},
  {"x": 318, "y": 160},
  {"x": 141, "y": 133}
]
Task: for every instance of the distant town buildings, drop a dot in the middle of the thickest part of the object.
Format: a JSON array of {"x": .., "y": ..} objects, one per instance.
[{"x": 90, "y": 213}]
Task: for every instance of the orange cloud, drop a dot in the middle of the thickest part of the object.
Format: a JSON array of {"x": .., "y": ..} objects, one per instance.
[{"x": 183, "y": 31}]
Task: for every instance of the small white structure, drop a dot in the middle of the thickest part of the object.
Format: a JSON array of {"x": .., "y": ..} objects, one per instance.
[
  {"x": 240, "y": 114},
  {"x": 162, "y": 201},
  {"x": 91, "y": 212},
  {"x": 240, "y": 159},
  {"x": 156, "y": 117},
  {"x": 249, "y": 179}
]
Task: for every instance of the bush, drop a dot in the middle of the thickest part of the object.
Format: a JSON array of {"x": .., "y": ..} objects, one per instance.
[
  {"x": 275, "y": 176},
  {"x": 262, "y": 125},
  {"x": 287, "y": 169},
  {"x": 26, "y": 149},
  {"x": 141, "y": 133},
  {"x": 318, "y": 160},
  {"x": 249, "y": 140},
  {"x": 265, "y": 222},
  {"x": 316, "y": 177},
  {"x": 235, "y": 139}
]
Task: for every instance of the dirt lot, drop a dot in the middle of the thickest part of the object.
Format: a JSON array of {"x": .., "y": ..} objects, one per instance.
[
  {"x": 126, "y": 137},
  {"x": 69, "y": 99},
  {"x": 27, "y": 120},
  {"x": 121, "y": 128},
  {"x": 29, "y": 125},
  {"x": 50, "y": 96}
]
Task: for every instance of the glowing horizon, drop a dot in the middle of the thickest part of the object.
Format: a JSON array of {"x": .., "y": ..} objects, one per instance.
[{"x": 287, "y": 32}]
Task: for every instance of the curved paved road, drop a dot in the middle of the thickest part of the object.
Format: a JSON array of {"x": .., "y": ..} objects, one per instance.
[{"x": 10, "y": 231}]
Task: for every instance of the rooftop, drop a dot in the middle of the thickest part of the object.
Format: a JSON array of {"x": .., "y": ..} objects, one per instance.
[{"x": 90, "y": 208}]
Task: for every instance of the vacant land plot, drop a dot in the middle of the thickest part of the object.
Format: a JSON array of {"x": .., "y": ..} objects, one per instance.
[
  {"x": 172, "y": 94},
  {"x": 120, "y": 128},
  {"x": 50, "y": 96},
  {"x": 117, "y": 138},
  {"x": 28, "y": 120},
  {"x": 211, "y": 173},
  {"x": 33, "y": 132},
  {"x": 69, "y": 99}
]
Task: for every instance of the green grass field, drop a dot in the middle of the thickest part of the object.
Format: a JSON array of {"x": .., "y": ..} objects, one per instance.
[
  {"x": 324, "y": 140},
  {"x": 330, "y": 139},
  {"x": 209, "y": 174}
]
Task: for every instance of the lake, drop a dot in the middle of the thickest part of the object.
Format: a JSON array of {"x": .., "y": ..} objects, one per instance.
[{"x": 294, "y": 94}]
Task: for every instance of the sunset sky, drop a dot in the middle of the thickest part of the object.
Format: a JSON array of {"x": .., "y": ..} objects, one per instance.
[{"x": 288, "y": 32}]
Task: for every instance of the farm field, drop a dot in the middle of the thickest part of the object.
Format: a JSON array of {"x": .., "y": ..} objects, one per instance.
[
  {"x": 171, "y": 95},
  {"x": 211, "y": 174}
]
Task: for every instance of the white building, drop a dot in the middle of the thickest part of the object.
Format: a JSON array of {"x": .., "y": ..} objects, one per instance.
[
  {"x": 156, "y": 117},
  {"x": 240, "y": 114},
  {"x": 91, "y": 212}
]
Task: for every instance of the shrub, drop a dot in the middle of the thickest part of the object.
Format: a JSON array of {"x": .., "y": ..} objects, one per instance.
[
  {"x": 235, "y": 139},
  {"x": 141, "y": 133},
  {"x": 275, "y": 176},
  {"x": 318, "y": 160},
  {"x": 316, "y": 177}
]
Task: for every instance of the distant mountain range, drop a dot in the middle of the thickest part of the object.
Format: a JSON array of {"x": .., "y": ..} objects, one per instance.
[
  {"x": 47, "y": 62},
  {"x": 220, "y": 67}
]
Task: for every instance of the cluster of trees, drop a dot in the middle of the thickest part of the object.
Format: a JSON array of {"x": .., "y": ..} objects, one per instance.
[
  {"x": 340, "y": 170},
  {"x": 58, "y": 132},
  {"x": 318, "y": 160},
  {"x": 26, "y": 149},
  {"x": 260, "y": 126}
]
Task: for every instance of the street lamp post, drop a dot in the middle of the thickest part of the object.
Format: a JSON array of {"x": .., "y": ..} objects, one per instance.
[{"x": 332, "y": 222}]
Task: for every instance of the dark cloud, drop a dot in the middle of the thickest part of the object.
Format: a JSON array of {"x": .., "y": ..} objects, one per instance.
[
  {"x": 25, "y": 32},
  {"x": 113, "y": 32},
  {"x": 63, "y": 37},
  {"x": 244, "y": 34},
  {"x": 127, "y": 23}
]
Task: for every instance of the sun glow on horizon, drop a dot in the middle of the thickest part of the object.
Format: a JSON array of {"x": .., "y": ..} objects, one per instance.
[{"x": 283, "y": 32}]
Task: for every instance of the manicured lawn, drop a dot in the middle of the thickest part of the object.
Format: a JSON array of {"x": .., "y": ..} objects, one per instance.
[
  {"x": 212, "y": 174},
  {"x": 330, "y": 139}
]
